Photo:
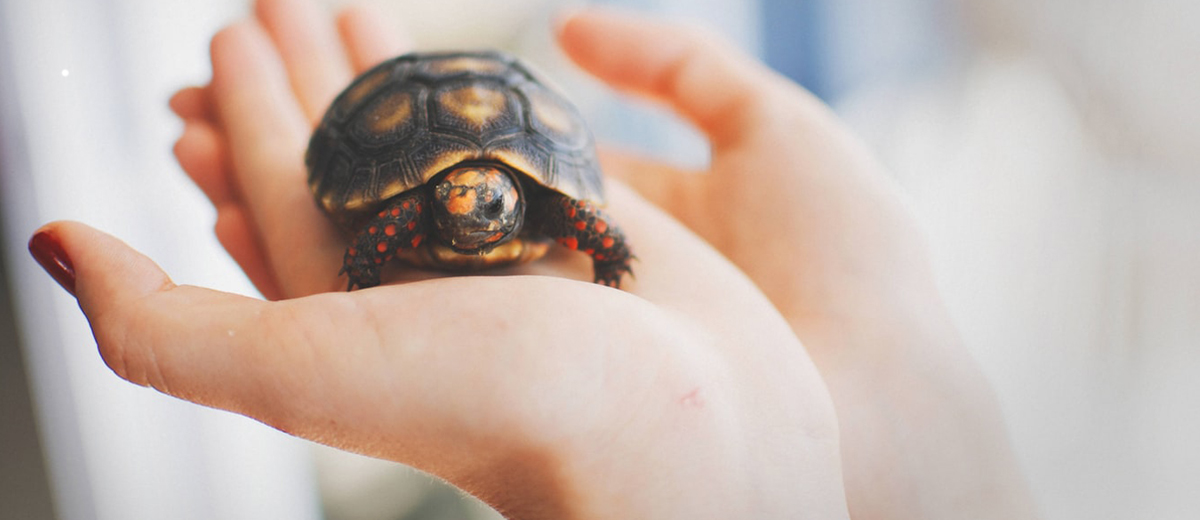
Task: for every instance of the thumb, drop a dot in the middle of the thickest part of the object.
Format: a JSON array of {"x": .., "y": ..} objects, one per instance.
[{"x": 185, "y": 341}]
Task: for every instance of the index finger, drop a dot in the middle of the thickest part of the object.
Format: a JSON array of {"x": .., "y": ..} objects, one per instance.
[{"x": 703, "y": 77}]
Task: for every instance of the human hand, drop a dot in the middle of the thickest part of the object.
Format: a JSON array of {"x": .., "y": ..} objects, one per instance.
[
  {"x": 687, "y": 396},
  {"x": 800, "y": 206}
]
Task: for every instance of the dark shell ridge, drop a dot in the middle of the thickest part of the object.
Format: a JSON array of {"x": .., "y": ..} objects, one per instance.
[{"x": 409, "y": 118}]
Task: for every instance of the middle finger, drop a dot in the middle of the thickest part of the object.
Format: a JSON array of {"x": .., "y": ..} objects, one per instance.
[
  {"x": 267, "y": 134},
  {"x": 312, "y": 53},
  {"x": 368, "y": 40}
]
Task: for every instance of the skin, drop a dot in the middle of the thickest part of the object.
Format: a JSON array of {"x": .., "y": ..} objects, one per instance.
[{"x": 688, "y": 395}]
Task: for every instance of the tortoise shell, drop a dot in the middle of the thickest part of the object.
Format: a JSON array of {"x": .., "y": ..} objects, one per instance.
[{"x": 410, "y": 118}]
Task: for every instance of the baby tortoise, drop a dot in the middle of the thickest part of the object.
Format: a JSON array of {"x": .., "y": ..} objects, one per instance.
[{"x": 460, "y": 161}]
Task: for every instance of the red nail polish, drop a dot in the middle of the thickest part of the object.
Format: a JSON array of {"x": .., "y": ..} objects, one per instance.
[{"x": 49, "y": 253}]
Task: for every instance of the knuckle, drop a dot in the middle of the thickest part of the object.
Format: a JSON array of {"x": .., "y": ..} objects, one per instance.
[
  {"x": 127, "y": 353},
  {"x": 113, "y": 352}
]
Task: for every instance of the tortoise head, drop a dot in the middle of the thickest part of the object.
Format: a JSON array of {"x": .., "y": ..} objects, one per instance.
[{"x": 477, "y": 208}]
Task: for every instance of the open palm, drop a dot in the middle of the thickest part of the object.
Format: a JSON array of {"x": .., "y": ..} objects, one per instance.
[
  {"x": 546, "y": 395},
  {"x": 687, "y": 395}
]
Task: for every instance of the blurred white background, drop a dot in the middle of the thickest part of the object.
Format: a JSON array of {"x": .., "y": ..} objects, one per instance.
[{"x": 1050, "y": 148}]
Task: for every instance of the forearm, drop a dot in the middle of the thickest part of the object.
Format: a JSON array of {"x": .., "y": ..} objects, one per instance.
[{"x": 922, "y": 433}]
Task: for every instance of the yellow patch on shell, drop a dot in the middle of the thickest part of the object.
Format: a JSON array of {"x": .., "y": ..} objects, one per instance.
[
  {"x": 466, "y": 64},
  {"x": 519, "y": 162},
  {"x": 476, "y": 104},
  {"x": 515, "y": 251},
  {"x": 390, "y": 112},
  {"x": 366, "y": 86},
  {"x": 552, "y": 115}
]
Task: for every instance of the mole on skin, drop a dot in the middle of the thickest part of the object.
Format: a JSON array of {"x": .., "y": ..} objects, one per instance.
[{"x": 693, "y": 399}]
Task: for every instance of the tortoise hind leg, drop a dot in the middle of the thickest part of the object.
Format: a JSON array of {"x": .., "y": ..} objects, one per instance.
[
  {"x": 400, "y": 225},
  {"x": 580, "y": 225}
]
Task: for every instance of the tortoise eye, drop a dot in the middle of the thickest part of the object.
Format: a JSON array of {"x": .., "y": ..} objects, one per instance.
[{"x": 493, "y": 208}]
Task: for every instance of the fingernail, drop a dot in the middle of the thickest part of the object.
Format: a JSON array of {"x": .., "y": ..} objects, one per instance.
[{"x": 48, "y": 252}]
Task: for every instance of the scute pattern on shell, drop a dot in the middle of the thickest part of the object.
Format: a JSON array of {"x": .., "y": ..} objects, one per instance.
[{"x": 409, "y": 118}]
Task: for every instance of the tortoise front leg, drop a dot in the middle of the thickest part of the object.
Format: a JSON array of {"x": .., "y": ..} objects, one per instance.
[
  {"x": 401, "y": 225},
  {"x": 580, "y": 225}
]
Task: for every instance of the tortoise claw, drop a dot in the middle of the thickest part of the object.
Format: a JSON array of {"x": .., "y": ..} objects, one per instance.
[
  {"x": 361, "y": 274},
  {"x": 610, "y": 273}
]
